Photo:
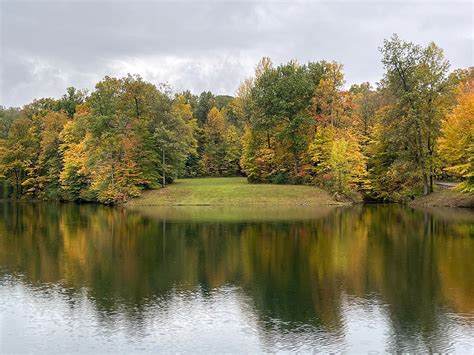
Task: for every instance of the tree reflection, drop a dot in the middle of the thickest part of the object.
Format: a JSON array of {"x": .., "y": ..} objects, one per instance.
[{"x": 297, "y": 267}]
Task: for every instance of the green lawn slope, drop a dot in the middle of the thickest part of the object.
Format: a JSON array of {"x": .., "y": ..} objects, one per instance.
[{"x": 233, "y": 191}]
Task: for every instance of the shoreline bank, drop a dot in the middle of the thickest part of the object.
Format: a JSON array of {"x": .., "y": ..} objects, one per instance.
[{"x": 445, "y": 197}]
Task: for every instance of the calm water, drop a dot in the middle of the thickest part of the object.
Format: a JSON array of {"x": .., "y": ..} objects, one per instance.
[{"x": 89, "y": 278}]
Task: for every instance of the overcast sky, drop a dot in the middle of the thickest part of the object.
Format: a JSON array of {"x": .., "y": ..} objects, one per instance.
[{"x": 47, "y": 46}]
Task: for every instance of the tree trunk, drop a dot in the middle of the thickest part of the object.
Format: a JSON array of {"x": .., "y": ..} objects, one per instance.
[
  {"x": 340, "y": 181},
  {"x": 164, "y": 177},
  {"x": 430, "y": 155},
  {"x": 297, "y": 166},
  {"x": 136, "y": 107},
  {"x": 17, "y": 184},
  {"x": 425, "y": 184}
]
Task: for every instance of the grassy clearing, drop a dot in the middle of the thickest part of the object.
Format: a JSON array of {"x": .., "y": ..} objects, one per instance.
[
  {"x": 445, "y": 198},
  {"x": 234, "y": 191}
]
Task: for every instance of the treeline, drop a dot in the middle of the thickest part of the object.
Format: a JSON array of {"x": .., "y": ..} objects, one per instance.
[
  {"x": 126, "y": 136},
  {"x": 385, "y": 143},
  {"x": 288, "y": 124}
]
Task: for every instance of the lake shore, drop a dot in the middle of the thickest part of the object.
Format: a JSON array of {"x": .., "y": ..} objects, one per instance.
[
  {"x": 234, "y": 191},
  {"x": 445, "y": 197}
]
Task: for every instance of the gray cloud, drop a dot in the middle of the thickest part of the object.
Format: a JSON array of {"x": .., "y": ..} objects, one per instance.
[{"x": 208, "y": 45}]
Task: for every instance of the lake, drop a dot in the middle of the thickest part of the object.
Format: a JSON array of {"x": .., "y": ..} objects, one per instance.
[{"x": 88, "y": 278}]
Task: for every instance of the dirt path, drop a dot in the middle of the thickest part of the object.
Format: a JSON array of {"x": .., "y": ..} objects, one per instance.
[{"x": 446, "y": 185}]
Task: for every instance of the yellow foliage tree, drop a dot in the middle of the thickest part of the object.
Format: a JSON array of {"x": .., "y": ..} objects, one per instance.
[
  {"x": 457, "y": 141},
  {"x": 337, "y": 160},
  {"x": 222, "y": 145}
]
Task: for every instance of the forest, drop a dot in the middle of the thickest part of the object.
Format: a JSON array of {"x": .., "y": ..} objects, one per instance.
[{"x": 288, "y": 124}]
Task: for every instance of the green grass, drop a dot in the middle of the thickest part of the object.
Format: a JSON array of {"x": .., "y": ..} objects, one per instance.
[{"x": 234, "y": 191}]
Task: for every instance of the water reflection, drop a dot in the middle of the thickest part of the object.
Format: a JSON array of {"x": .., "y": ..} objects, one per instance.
[{"x": 92, "y": 278}]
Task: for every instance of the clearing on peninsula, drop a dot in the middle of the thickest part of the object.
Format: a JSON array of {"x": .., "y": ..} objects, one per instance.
[{"x": 232, "y": 191}]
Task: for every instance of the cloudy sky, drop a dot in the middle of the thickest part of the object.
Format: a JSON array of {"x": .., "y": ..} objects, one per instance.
[{"x": 47, "y": 46}]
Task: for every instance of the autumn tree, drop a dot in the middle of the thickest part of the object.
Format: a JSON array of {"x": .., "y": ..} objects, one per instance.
[
  {"x": 205, "y": 103},
  {"x": 222, "y": 145},
  {"x": 282, "y": 96},
  {"x": 336, "y": 159},
  {"x": 75, "y": 177},
  {"x": 50, "y": 159},
  {"x": 18, "y": 152},
  {"x": 7, "y": 117},
  {"x": 71, "y": 100},
  {"x": 328, "y": 102},
  {"x": 367, "y": 101},
  {"x": 133, "y": 126},
  {"x": 416, "y": 84},
  {"x": 182, "y": 110},
  {"x": 456, "y": 144}
]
